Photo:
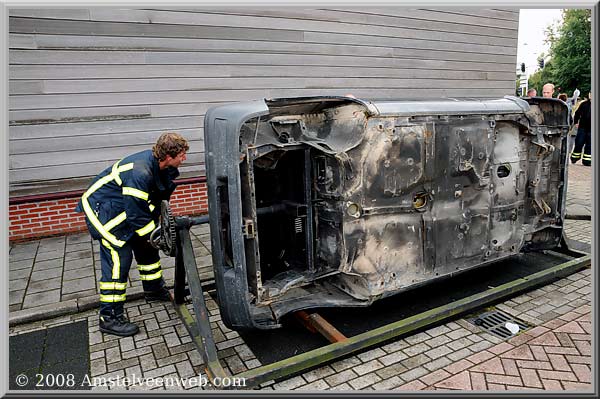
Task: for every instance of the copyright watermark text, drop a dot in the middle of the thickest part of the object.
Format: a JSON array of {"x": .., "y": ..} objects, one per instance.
[{"x": 70, "y": 381}]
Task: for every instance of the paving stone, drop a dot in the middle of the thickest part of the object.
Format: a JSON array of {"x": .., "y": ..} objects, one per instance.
[
  {"x": 44, "y": 285},
  {"x": 123, "y": 364},
  {"x": 86, "y": 254},
  {"x": 78, "y": 238},
  {"x": 341, "y": 377},
  {"x": 164, "y": 361},
  {"x": 413, "y": 374},
  {"x": 436, "y": 376},
  {"x": 393, "y": 358},
  {"x": 76, "y": 247},
  {"x": 417, "y": 338},
  {"x": 456, "y": 334},
  {"x": 127, "y": 353},
  {"x": 344, "y": 364},
  {"x": 415, "y": 385},
  {"x": 251, "y": 364},
  {"x": 318, "y": 385},
  {"x": 47, "y": 264},
  {"x": 479, "y": 346},
  {"x": 14, "y": 265},
  {"x": 460, "y": 381},
  {"x": 438, "y": 341},
  {"x": 342, "y": 387},
  {"x": 319, "y": 373},
  {"x": 244, "y": 352},
  {"x": 46, "y": 274},
  {"x": 81, "y": 284},
  {"x": 18, "y": 285},
  {"x": 438, "y": 363},
  {"x": 76, "y": 264},
  {"x": 371, "y": 354},
  {"x": 74, "y": 274},
  {"x": 16, "y": 297},
  {"x": 368, "y": 367},
  {"x": 235, "y": 364},
  {"x": 439, "y": 330},
  {"x": 364, "y": 381},
  {"x": 388, "y": 384},
  {"x": 97, "y": 367},
  {"x": 113, "y": 354},
  {"x": 103, "y": 346},
  {"x": 290, "y": 383},
  {"x": 391, "y": 370},
  {"x": 416, "y": 349},
  {"x": 415, "y": 361},
  {"x": 147, "y": 362},
  {"x": 41, "y": 298},
  {"x": 24, "y": 247},
  {"x": 395, "y": 346},
  {"x": 21, "y": 274},
  {"x": 85, "y": 299},
  {"x": 158, "y": 372},
  {"x": 183, "y": 348},
  {"x": 49, "y": 255},
  {"x": 438, "y": 352},
  {"x": 185, "y": 369}
]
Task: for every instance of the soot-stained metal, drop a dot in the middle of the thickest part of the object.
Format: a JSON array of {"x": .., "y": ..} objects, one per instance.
[{"x": 336, "y": 201}]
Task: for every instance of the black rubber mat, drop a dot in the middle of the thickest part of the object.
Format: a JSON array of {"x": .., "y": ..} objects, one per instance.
[
  {"x": 273, "y": 345},
  {"x": 50, "y": 359}
]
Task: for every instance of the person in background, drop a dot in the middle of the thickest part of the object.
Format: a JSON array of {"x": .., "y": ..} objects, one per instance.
[
  {"x": 548, "y": 90},
  {"x": 531, "y": 92},
  {"x": 583, "y": 141},
  {"x": 122, "y": 208},
  {"x": 563, "y": 97}
]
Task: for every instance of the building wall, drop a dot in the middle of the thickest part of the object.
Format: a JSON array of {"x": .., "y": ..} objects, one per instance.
[
  {"x": 33, "y": 219},
  {"x": 91, "y": 85}
]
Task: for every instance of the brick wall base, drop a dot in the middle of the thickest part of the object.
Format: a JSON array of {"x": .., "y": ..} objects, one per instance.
[{"x": 34, "y": 220}]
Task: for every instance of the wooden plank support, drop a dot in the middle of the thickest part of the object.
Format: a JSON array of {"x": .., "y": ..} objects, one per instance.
[
  {"x": 319, "y": 356},
  {"x": 315, "y": 323}
]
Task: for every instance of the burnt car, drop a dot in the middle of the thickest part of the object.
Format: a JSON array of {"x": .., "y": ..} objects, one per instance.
[{"x": 337, "y": 201}]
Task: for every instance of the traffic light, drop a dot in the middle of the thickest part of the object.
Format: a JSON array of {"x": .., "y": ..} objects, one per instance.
[
  {"x": 522, "y": 67},
  {"x": 541, "y": 63}
]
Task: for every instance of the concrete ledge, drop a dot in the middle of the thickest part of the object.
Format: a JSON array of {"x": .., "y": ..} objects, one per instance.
[
  {"x": 72, "y": 306},
  {"x": 42, "y": 312}
]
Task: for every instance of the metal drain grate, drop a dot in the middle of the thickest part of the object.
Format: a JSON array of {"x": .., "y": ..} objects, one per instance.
[{"x": 495, "y": 321}]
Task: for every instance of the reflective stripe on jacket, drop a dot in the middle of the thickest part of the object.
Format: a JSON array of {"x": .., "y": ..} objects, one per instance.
[{"x": 124, "y": 199}]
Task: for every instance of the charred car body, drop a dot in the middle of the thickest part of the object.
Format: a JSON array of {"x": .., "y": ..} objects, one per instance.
[{"x": 335, "y": 201}]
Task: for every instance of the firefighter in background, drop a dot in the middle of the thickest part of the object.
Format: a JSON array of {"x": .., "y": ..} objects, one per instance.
[
  {"x": 122, "y": 207},
  {"x": 583, "y": 140}
]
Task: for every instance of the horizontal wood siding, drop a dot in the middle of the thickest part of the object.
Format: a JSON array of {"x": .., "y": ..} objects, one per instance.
[{"x": 91, "y": 85}]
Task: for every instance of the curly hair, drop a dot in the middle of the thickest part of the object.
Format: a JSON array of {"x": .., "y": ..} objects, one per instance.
[{"x": 169, "y": 143}]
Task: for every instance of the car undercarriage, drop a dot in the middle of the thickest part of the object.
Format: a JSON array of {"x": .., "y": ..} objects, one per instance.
[{"x": 335, "y": 201}]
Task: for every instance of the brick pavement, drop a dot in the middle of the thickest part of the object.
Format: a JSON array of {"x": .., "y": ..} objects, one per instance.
[{"x": 454, "y": 356}]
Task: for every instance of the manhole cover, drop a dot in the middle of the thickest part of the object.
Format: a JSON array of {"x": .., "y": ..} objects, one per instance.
[{"x": 500, "y": 324}]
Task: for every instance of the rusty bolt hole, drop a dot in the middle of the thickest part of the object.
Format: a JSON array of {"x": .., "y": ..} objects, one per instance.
[{"x": 420, "y": 200}]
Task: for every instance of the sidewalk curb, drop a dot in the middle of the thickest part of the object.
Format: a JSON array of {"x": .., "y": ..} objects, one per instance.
[{"x": 72, "y": 306}]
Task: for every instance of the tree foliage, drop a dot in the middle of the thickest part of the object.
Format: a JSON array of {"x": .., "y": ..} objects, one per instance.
[{"x": 570, "y": 62}]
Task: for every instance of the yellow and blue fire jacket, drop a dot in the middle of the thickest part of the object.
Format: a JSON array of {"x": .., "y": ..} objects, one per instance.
[{"x": 124, "y": 199}]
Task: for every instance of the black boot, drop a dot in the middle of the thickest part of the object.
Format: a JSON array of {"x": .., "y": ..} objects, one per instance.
[
  {"x": 162, "y": 294},
  {"x": 117, "y": 325}
]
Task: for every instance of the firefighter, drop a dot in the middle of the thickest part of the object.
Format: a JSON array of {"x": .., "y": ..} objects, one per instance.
[
  {"x": 583, "y": 140},
  {"x": 122, "y": 207}
]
